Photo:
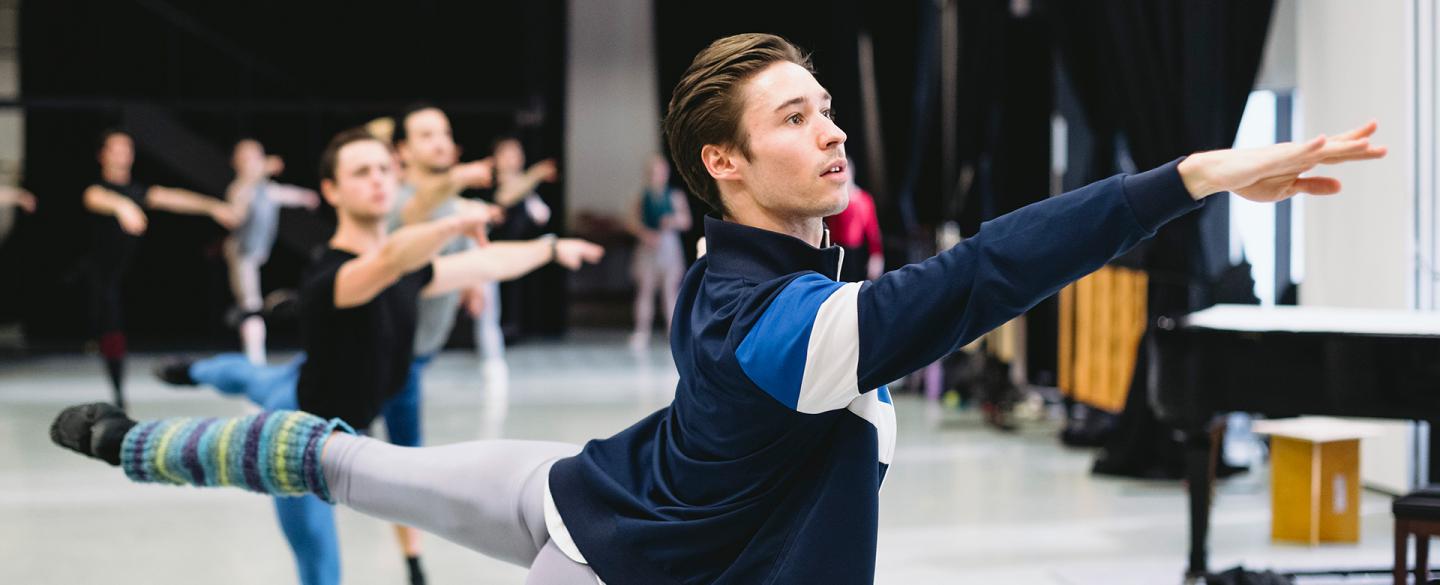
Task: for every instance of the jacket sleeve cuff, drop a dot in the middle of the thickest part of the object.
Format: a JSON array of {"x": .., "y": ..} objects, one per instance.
[{"x": 1158, "y": 196}]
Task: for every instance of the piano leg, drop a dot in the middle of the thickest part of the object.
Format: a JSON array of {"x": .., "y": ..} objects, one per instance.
[
  {"x": 1432, "y": 444},
  {"x": 1197, "y": 480},
  {"x": 1202, "y": 455}
]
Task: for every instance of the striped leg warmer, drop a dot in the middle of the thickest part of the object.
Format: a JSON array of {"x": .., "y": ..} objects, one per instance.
[{"x": 274, "y": 452}]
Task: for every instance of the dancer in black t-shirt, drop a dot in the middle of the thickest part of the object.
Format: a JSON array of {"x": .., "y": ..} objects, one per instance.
[
  {"x": 358, "y": 306},
  {"x": 117, "y": 204}
]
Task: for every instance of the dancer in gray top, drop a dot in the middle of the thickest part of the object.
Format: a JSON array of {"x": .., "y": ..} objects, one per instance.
[{"x": 256, "y": 200}]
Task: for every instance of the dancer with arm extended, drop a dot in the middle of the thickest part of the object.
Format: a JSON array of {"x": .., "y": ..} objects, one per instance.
[
  {"x": 118, "y": 204},
  {"x": 358, "y": 312},
  {"x": 766, "y": 466},
  {"x": 257, "y": 198}
]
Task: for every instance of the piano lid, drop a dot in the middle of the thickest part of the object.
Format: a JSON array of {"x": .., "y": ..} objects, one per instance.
[{"x": 1291, "y": 319}]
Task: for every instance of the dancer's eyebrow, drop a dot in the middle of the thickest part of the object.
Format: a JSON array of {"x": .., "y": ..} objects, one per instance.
[
  {"x": 824, "y": 97},
  {"x": 791, "y": 102}
]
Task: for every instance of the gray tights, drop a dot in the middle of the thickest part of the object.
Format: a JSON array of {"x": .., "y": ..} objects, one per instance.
[{"x": 487, "y": 496}]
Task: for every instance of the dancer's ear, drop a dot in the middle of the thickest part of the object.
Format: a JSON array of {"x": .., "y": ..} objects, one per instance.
[
  {"x": 327, "y": 190},
  {"x": 722, "y": 162}
]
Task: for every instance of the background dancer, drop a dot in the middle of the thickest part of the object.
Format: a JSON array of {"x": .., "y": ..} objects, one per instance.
[
  {"x": 118, "y": 204},
  {"x": 660, "y": 215},
  {"x": 358, "y": 312},
  {"x": 257, "y": 200}
]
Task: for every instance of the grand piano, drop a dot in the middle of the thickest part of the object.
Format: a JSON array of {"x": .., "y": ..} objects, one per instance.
[{"x": 1287, "y": 361}]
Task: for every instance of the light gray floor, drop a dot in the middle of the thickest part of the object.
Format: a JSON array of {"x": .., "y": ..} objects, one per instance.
[{"x": 961, "y": 504}]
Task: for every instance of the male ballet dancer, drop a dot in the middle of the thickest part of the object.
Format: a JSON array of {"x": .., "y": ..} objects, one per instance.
[{"x": 766, "y": 467}]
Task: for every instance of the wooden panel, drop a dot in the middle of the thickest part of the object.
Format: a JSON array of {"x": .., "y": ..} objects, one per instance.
[
  {"x": 1294, "y": 471},
  {"x": 1084, "y": 322},
  {"x": 1102, "y": 337},
  {"x": 1102, "y": 318},
  {"x": 1065, "y": 377},
  {"x": 1314, "y": 490}
]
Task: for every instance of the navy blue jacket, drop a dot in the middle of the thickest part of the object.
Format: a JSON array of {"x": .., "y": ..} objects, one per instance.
[{"x": 767, "y": 465}]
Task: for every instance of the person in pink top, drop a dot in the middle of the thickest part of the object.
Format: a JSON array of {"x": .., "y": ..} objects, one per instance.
[{"x": 857, "y": 229}]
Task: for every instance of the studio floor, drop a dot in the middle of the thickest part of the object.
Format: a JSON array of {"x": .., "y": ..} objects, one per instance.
[{"x": 961, "y": 504}]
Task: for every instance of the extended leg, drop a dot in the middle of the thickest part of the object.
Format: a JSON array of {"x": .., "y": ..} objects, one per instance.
[
  {"x": 552, "y": 567},
  {"x": 485, "y": 495},
  {"x": 270, "y": 387}
]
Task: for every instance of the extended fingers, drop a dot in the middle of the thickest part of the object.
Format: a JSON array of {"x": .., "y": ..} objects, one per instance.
[
  {"x": 1290, "y": 157},
  {"x": 1361, "y": 151},
  {"x": 1362, "y": 131},
  {"x": 1317, "y": 185}
]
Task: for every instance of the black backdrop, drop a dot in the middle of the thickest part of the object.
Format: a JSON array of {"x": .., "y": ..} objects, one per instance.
[
  {"x": 288, "y": 73},
  {"x": 292, "y": 74}
]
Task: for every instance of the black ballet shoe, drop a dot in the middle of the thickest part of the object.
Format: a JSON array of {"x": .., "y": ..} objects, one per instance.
[
  {"x": 94, "y": 430},
  {"x": 412, "y": 565},
  {"x": 175, "y": 372}
]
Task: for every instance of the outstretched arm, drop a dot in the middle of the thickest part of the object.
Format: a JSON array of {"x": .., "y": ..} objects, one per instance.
[
  {"x": 188, "y": 202},
  {"x": 433, "y": 191},
  {"x": 512, "y": 191},
  {"x": 408, "y": 249},
  {"x": 102, "y": 201},
  {"x": 508, "y": 261},
  {"x": 17, "y": 197},
  {"x": 850, "y": 338},
  {"x": 293, "y": 196}
]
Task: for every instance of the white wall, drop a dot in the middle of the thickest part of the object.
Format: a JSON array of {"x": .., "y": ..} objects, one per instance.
[
  {"x": 1352, "y": 60},
  {"x": 613, "y": 110}
]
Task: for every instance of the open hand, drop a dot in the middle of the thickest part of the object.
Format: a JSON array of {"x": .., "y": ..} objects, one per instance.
[
  {"x": 479, "y": 174},
  {"x": 25, "y": 200},
  {"x": 572, "y": 253},
  {"x": 544, "y": 170},
  {"x": 132, "y": 219},
  {"x": 1272, "y": 173}
]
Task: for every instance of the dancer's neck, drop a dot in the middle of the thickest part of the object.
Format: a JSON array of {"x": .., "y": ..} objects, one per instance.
[
  {"x": 358, "y": 235},
  {"x": 115, "y": 175}
]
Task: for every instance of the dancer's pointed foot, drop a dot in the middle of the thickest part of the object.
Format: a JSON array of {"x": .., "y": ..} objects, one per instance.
[{"x": 94, "y": 430}]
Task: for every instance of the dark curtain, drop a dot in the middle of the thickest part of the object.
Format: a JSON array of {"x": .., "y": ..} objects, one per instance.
[
  {"x": 1168, "y": 77},
  {"x": 1021, "y": 142},
  {"x": 922, "y": 122},
  {"x": 219, "y": 71}
]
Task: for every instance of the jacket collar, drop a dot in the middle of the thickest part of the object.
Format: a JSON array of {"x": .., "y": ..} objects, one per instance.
[{"x": 760, "y": 255}]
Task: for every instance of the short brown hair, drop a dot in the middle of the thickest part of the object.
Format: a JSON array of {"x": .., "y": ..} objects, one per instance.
[
  {"x": 705, "y": 107},
  {"x": 331, "y": 155}
]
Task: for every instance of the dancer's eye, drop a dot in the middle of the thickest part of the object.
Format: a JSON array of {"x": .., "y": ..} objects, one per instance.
[
  {"x": 795, "y": 119},
  {"x": 828, "y": 113}
]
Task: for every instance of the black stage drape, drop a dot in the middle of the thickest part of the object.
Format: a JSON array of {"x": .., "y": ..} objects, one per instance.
[{"x": 1168, "y": 77}]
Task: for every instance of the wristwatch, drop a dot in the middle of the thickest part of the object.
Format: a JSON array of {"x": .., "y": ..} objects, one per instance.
[{"x": 554, "y": 245}]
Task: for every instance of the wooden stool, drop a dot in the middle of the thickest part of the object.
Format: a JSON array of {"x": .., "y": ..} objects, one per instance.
[
  {"x": 1416, "y": 513},
  {"x": 1314, "y": 478}
]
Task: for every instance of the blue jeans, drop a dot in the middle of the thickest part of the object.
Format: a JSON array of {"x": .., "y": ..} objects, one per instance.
[
  {"x": 402, "y": 411},
  {"x": 308, "y": 522}
]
